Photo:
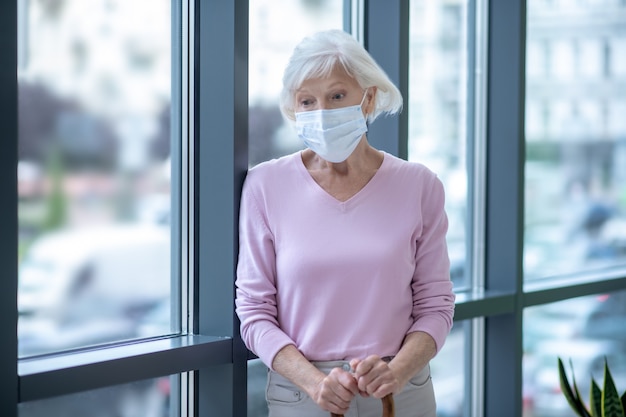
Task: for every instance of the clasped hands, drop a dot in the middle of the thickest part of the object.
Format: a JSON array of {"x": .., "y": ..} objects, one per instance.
[{"x": 371, "y": 376}]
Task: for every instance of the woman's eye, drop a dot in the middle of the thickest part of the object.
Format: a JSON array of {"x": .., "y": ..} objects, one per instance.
[
  {"x": 338, "y": 96},
  {"x": 305, "y": 102}
]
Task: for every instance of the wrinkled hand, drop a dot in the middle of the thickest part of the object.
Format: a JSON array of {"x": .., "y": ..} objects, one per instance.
[
  {"x": 374, "y": 377},
  {"x": 335, "y": 392}
]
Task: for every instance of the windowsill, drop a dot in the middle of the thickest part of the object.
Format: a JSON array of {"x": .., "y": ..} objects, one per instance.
[
  {"x": 471, "y": 304},
  {"x": 558, "y": 288},
  {"x": 100, "y": 367}
]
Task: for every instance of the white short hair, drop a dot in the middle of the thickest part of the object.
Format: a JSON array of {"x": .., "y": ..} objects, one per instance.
[{"x": 317, "y": 55}]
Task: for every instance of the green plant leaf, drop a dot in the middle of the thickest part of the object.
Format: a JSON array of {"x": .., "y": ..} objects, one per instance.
[
  {"x": 611, "y": 403},
  {"x": 595, "y": 399},
  {"x": 579, "y": 397},
  {"x": 572, "y": 396}
]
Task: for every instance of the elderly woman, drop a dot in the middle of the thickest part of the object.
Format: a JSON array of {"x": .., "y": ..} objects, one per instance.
[{"x": 343, "y": 284}]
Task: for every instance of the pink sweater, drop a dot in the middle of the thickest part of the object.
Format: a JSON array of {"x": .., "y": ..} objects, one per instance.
[{"x": 342, "y": 280}]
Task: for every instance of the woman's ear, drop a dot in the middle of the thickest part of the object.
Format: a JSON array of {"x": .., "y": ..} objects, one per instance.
[{"x": 370, "y": 100}]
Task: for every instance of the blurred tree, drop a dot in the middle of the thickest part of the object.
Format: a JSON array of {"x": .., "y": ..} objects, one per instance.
[
  {"x": 45, "y": 120},
  {"x": 37, "y": 113}
]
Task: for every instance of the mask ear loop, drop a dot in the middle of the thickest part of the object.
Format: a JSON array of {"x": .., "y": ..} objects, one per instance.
[
  {"x": 364, "y": 95},
  {"x": 363, "y": 101}
]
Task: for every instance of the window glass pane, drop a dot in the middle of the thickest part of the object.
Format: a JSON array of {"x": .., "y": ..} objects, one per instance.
[
  {"x": 148, "y": 398},
  {"x": 274, "y": 32},
  {"x": 585, "y": 330},
  {"x": 448, "y": 373},
  {"x": 438, "y": 109},
  {"x": 575, "y": 214},
  {"x": 94, "y": 172}
]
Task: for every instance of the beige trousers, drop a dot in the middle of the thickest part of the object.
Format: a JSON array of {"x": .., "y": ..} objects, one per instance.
[{"x": 285, "y": 399}]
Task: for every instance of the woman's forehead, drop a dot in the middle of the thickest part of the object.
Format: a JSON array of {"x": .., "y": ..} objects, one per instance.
[{"x": 336, "y": 78}]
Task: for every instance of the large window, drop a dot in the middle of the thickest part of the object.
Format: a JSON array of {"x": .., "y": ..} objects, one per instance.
[
  {"x": 437, "y": 103},
  {"x": 94, "y": 173},
  {"x": 575, "y": 138},
  {"x": 582, "y": 331},
  {"x": 145, "y": 398},
  {"x": 575, "y": 195}
]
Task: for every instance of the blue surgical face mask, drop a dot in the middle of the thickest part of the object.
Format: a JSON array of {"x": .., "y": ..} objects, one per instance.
[{"x": 332, "y": 134}]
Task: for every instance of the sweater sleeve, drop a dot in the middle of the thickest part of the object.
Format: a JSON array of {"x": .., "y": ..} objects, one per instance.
[
  {"x": 256, "y": 281},
  {"x": 433, "y": 298}
]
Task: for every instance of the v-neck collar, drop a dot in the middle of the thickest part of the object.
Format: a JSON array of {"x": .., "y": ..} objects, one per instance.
[{"x": 327, "y": 197}]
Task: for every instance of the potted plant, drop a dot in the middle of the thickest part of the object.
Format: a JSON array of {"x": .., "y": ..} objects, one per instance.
[{"x": 603, "y": 402}]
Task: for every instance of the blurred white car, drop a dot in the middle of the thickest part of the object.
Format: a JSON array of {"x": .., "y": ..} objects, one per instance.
[
  {"x": 600, "y": 316},
  {"x": 87, "y": 286}
]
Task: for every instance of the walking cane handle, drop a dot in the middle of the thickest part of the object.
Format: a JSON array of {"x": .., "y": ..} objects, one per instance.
[{"x": 388, "y": 407}]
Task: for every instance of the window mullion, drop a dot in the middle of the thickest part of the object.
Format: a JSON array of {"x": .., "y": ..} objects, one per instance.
[
  {"x": 504, "y": 204},
  {"x": 8, "y": 208}
]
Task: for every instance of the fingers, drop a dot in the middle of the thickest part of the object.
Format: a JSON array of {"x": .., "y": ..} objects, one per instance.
[
  {"x": 337, "y": 391},
  {"x": 374, "y": 377},
  {"x": 346, "y": 382}
]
